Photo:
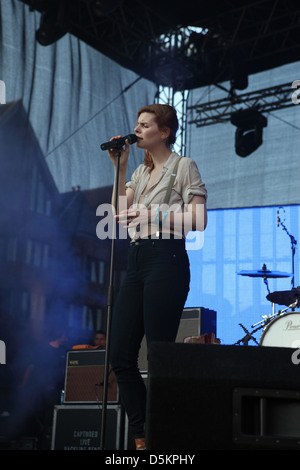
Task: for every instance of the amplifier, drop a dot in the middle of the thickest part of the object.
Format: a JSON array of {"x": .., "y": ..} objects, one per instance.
[
  {"x": 84, "y": 378},
  {"x": 195, "y": 321},
  {"x": 78, "y": 427}
]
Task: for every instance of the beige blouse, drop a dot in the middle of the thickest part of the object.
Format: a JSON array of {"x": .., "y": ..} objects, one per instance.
[{"x": 187, "y": 183}]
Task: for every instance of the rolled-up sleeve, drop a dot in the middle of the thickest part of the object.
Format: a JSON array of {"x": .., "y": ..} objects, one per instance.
[
  {"x": 134, "y": 179},
  {"x": 192, "y": 182}
]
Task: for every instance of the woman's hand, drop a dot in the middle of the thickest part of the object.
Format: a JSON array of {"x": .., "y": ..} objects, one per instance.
[
  {"x": 135, "y": 216},
  {"x": 124, "y": 153}
]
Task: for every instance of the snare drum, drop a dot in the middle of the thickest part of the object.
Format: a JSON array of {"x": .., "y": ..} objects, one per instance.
[{"x": 283, "y": 331}]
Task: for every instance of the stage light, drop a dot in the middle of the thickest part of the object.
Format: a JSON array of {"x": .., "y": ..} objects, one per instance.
[
  {"x": 54, "y": 23},
  {"x": 249, "y": 132}
]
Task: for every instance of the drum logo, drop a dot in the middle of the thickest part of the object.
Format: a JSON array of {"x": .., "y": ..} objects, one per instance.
[
  {"x": 295, "y": 94},
  {"x": 290, "y": 326}
]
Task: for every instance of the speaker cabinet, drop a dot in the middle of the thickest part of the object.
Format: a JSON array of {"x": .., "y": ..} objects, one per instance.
[
  {"x": 194, "y": 322},
  {"x": 203, "y": 397},
  {"x": 84, "y": 378},
  {"x": 78, "y": 427}
]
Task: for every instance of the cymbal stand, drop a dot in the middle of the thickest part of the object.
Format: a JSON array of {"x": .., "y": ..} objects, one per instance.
[
  {"x": 266, "y": 283},
  {"x": 293, "y": 247}
]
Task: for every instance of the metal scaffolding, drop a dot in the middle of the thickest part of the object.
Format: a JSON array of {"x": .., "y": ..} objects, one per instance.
[
  {"x": 265, "y": 100},
  {"x": 177, "y": 99}
]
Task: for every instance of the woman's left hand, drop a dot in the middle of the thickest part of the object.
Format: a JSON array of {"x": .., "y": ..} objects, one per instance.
[{"x": 135, "y": 216}]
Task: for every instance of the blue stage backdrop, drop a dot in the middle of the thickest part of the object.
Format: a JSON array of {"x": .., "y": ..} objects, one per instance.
[{"x": 236, "y": 240}]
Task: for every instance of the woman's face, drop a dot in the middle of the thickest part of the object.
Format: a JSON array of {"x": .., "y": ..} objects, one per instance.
[{"x": 148, "y": 133}]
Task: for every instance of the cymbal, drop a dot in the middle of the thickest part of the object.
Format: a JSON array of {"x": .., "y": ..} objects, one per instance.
[
  {"x": 285, "y": 297},
  {"x": 264, "y": 273}
]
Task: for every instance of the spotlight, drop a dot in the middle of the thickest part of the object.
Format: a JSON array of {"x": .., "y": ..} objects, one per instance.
[
  {"x": 248, "y": 136},
  {"x": 54, "y": 23}
]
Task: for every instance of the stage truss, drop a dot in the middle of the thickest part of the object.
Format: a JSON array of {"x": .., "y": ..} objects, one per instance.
[{"x": 219, "y": 111}]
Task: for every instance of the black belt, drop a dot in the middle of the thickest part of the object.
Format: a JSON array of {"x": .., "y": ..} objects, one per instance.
[{"x": 159, "y": 236}]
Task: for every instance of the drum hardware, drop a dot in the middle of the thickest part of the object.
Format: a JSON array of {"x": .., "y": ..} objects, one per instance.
[
  {"x": 289, "y": 298},
  {"x": 265, "y": 274},
  {"x": 262, "y": 324},
  {"x": 293, "y": 243},
  {"x": 282, "y": 331},
  {"x": 268, "y": 318},
  {"x": 285, "y": 297},
  {"x": 245, "y": 340}
]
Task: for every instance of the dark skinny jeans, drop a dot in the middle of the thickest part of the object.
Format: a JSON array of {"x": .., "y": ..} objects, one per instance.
[{"x": 150, "y": 302}]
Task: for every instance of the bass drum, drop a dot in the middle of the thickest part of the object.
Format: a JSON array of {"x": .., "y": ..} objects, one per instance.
[{"x": 283, "y": 331}]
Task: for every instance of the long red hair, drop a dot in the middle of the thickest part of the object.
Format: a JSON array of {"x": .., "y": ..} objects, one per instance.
[{"x": 165, "y": 116}]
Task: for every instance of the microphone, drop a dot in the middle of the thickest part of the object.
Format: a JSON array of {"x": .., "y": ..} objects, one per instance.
[{"x": 118, "y": 143}]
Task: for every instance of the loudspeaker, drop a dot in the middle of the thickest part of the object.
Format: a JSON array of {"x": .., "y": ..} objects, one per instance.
[
  {"x": 194, "y": 322},
  {"x": 204, "y": 397},
  {"x": 84, "y": 378}
]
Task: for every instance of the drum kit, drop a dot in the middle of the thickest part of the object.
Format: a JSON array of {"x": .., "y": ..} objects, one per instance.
[{"x": 281, "y": 328}]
